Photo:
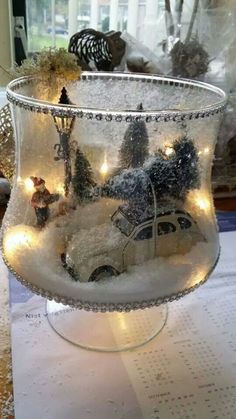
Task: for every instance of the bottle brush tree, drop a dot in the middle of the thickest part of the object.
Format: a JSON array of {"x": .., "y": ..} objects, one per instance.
[
  {"x": 168, "y": 177},
  {"x": 82, "y": 180},
  {"x": 134, "y": 148}
]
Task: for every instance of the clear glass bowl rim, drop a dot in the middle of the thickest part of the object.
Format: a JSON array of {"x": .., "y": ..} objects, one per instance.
[{"x": 55, "y": 109}]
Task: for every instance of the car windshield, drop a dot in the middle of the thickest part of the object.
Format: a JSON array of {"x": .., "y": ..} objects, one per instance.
[{"x": 122, "y": 223}]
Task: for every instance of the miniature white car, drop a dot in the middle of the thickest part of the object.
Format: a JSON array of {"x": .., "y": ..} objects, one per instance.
[{"x": 133, "y": 237}]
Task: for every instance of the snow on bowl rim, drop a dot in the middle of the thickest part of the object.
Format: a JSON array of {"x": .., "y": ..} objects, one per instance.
[{"x": 166, "y": 115}]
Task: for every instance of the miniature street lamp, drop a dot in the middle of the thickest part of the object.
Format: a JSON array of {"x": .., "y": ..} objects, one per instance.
[{"x": 64, "y": 126}]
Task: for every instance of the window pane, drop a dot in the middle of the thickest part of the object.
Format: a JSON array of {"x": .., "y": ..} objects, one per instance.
[
  {"x": 184, "y": 223},
  {"x": 51, "y": 23},
  {"x": 144, "y": 234},
  {"x": 47, "y": 24},
  {"x": 165, "y": 228}
]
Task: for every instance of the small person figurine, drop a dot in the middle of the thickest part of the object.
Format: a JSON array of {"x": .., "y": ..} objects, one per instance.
[{"x": 41, "y": 199}]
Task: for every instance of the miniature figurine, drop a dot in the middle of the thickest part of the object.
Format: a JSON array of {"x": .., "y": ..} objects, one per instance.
[{"x": 41, "y": 199}]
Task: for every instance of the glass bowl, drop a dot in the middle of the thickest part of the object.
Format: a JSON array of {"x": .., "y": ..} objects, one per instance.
[{"x": 111, "y": 208}]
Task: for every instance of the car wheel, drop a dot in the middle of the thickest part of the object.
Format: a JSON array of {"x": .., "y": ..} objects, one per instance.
[{"x": 103, "y": 272}]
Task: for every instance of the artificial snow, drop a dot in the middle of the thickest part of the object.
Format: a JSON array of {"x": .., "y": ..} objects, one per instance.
[
  {"x": 104, "y": 238},
  {"x": 38, "y": 259}
]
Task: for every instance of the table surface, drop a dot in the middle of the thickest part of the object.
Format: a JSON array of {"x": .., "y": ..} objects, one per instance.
[{"x": 6, "y": 389}]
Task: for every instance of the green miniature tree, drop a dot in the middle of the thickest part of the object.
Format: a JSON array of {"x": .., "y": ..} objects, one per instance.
[
  {"x": 171, "y": 177},
  {"x": 82, "y": 180},
  {"x": 134, "y": 148}
]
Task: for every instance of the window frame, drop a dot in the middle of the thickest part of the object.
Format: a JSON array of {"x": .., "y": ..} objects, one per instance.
[{"x": 19, "y": 10}]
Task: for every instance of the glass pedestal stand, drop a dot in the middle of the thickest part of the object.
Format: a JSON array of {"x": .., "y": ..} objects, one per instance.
[{"x": 106, "y": 332}]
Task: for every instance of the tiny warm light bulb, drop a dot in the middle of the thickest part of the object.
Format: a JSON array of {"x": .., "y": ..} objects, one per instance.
[
  {"x": 122, "y": 321},
  {"x": 29, "y": 185},
  {"x": 60, "y": 189},
  {"x": 104, "y": 168},
  {"x": 169, "y": 151},
  {"x": 203, "y": 203},
  {"x": 16, "y": 239},
  {"x": 19, "y": 179},
  {"x": 206, "y": 150},
  {"x": 199, "y": 275}
]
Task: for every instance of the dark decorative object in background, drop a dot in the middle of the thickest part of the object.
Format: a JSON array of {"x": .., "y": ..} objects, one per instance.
[
  {"x": 137, "y": 64},
  {"x": 105, "y": 51},
  {"x": 82, "y": 180},
  {"x": 64, "y": 126},
  {"x": 189, "y": 59},
  {"x": 224, "y": 168},
  {"x": 231, "y": 151},
  {"x": 5, "y": 190}
]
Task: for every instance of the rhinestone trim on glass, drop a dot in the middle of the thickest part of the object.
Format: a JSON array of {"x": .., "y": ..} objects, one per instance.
[{"x": 34, "y": 105}]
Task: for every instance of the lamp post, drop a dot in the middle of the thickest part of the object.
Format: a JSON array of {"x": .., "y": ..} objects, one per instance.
[{"x": 64, "y": 126}]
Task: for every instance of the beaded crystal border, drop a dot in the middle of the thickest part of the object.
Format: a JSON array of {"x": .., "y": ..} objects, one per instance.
[
  {"x": 71, "y": 111},
  {"x": 106, "y": 307}
]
